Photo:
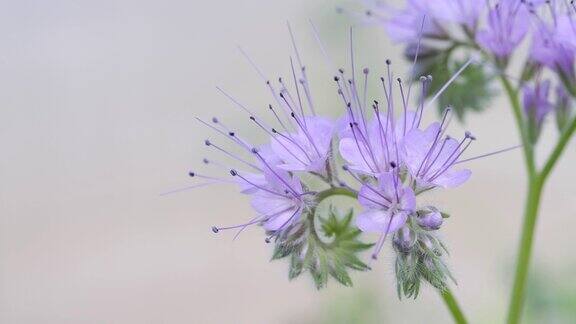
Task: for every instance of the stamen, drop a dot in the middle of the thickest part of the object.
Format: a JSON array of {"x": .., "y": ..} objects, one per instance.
[
  {"x": 413, "y": 69},
  {"x": 199, "y": 185},
  {"x": 489, "y": 154},
  {"x": 388, "y": 200},
  {"x": 360, "y": 149},
  {"x": 251, "y": 62},
  {"x": 274, "y": 137},
  {"x": 235, "y": 173},
  {"x": 297, "y": 92},
  {"x": 208, "y": 143},
  {"x": 449, "y": 82},
  {"x": 255, "y": 151},
  {"x": 291, "y": 140}
]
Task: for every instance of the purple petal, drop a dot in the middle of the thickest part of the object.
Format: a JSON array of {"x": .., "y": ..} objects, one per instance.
[
  {"x": 452, "y": 178},
  {"x": 374, "y": 220}
]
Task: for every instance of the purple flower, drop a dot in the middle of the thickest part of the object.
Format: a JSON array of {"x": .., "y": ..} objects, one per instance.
[
  {"x": 308, "y": 148},
  {"x": 280, "y": 201},
  {"x": 536, "y": 103},
  {"x": 465, "y": 12},
  {"x": 404, "y": 25},
  {"x": 430, "y": 156},
  {"x": 508, "y": 23},
  {"x": 372, "y": 149},
  {"x": 566, "y": 29},
  {"x": 386, "y": 206},
  {"x": 548, "y": 49}
]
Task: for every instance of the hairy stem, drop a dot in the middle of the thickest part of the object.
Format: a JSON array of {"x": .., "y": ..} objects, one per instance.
[{"x": 452, "y": 305}]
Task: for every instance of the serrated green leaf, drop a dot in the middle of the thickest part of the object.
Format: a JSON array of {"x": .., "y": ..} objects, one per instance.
[
  {"x": 471, "y": 91},
  {"x": 332, "y": 255}
]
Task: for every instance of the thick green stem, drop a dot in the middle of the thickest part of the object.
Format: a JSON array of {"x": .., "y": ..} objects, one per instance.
[
  {"x": 452, "y": 305},
  {"x": 535, "y": 185},
  {"x": 527, "y": 147},
  {"x": 525, "y": 250}
]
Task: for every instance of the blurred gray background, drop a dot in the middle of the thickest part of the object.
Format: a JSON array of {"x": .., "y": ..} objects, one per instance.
[{"x": 97, "y": 107}]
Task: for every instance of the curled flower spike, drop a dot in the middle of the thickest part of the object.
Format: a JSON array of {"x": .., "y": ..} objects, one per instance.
[{"x": 390, "y": 154}]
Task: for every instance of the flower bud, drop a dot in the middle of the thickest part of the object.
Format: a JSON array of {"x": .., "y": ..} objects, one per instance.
[
  {"x": 405, "y": 239},
  {"x": 430, "y": 220},
  {"x": 536, "y": 107}
]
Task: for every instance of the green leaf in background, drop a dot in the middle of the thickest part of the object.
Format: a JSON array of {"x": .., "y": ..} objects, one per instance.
[
  {"x": 471, "y": 91},
  {"x": 331, "y": 253}
]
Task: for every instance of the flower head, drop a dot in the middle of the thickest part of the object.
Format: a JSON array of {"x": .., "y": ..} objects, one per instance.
[
  {"x": 430, "y": 156},
  {"x": 508, "y": 23}
]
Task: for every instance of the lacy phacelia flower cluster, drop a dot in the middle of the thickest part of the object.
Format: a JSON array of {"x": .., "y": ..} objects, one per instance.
[
  {"x": 495, "y": 29},
  {"x": 379, "y": 152}
]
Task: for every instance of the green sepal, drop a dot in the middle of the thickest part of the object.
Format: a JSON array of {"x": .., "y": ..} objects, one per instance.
[{"x": 331, "y": 253}]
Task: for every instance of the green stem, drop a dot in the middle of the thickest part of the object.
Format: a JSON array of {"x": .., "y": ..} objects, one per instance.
[
  {"x": 336, "y": 191},
  {"x": 535, "y": 188},
  {"x": 564, "y": 139},
  {"x": 452, "y": 305},
  {"x": 525, "y": 250},
  {"x": 524, "y": 136}
]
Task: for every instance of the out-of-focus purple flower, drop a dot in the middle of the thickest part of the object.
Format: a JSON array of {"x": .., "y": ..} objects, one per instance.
[
  {"x": 423, "y": 16},
  {"x": 548, "y": 49},
  {"x": 308, "y": 148},
  {"x": 430, "y": 156},
  {"x": 508, "y": 23},
  {"x": 566, "y": 28},
  {"x": 465, "y": 12},
  {"x": 404, "y": 25},
  {"x": 536, "y": 102}
]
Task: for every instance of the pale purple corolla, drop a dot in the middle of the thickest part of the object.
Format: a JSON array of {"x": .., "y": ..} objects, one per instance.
[
  {"x": 566, "y": 27},
  {"x": 465, "y": 12},
  {"x": 431, "y": 156},
  {"x": 508, "y": 24},
  {"x": 370, "y": 146},
  {"x": 423, "y": 18},
  {"x": 536, "y": 101},
  {"x": 387, "y": 205},
  {"x": 308, "y": 148},
  {"x": 550, "y": 49}
]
